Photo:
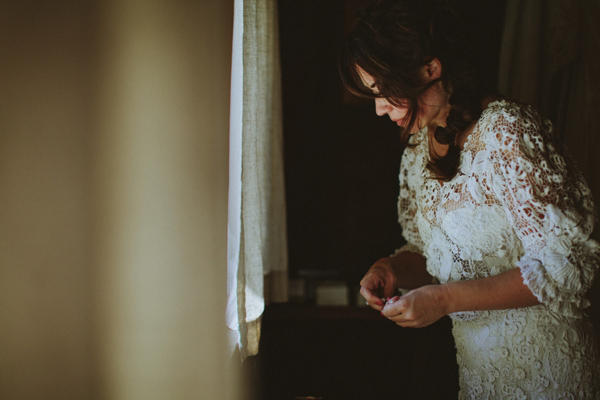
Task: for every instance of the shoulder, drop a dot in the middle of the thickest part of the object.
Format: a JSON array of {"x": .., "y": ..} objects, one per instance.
[
  {"x": 508, "y": 124},
  {"x": 511, "y": 114}
]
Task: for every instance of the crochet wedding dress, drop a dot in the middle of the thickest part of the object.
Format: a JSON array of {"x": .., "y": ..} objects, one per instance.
[{"x": 513, "y": 203}]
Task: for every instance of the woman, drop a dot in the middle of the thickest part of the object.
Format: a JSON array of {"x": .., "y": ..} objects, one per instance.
[{"x": 497, "y": 221}]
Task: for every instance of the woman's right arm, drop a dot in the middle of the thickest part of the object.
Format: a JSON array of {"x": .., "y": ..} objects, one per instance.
[{"x": 405, "y": 270}]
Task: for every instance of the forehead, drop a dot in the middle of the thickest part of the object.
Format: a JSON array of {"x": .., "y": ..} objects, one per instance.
[{"x": 367, "y": 79}]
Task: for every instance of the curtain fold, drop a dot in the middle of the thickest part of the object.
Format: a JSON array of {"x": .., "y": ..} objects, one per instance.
[
  {"x": 257, "y": 244},
  {"x": 550, "y": 58}
]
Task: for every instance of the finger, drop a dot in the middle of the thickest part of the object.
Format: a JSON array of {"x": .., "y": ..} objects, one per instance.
[
  {"x": 410, "y": 324},
  {"x": 407, "y": 319},
  {"x": 377, "y": 305},
  {"x": 370, "y": 276},
  {"x": 404, "y": 320},
  {"x": 372, "y": 299}
]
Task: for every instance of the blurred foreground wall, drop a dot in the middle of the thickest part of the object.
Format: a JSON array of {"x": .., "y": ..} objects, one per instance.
[{"x": 113, "y": 195}]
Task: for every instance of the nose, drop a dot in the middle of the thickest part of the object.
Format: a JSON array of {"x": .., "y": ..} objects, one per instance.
[{"x": 382, "y": 107}]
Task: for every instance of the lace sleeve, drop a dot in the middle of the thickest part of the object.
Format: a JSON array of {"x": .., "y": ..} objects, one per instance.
[
  {"x": 549, "y": 205},
  {"x": 407, "y": 200}
]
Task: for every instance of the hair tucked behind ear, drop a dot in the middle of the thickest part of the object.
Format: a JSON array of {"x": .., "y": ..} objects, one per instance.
[{"x": 391, "y": 41}]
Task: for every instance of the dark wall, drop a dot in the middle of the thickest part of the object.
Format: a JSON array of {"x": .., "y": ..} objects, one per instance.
[{"x": 341, "y": 160}]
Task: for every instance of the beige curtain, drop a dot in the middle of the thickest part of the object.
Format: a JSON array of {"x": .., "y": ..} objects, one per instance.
[
  {"x": 550, "y": 58},
  {"x": 114, "y": 123},
  {"x": 257, "y": 245}
]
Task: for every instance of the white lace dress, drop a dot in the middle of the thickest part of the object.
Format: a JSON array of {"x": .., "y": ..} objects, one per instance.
[{"x": 514, "y": 203}]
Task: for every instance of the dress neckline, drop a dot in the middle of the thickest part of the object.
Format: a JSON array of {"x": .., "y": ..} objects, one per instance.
[{"x": 469, "y": 139}]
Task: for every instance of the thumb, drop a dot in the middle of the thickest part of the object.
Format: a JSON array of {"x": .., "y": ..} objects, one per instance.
[{"x": 390, "y": 308}]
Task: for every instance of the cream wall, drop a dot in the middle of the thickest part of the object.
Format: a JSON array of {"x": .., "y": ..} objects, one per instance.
[{"x": 113, "y": 195}]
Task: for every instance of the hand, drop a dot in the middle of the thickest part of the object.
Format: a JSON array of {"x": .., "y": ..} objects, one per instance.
[
  {"x": 378, "y": 283},
  {"x": 418, "y": 308}
]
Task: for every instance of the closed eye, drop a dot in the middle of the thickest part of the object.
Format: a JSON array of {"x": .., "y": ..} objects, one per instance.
[{"x": 373, "y": 88}]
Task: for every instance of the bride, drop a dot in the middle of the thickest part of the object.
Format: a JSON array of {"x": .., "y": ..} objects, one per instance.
[{"x": 496, "y": 218}]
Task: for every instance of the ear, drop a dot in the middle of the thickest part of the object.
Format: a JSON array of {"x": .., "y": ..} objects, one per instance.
[{"x": 432, "y": 70}]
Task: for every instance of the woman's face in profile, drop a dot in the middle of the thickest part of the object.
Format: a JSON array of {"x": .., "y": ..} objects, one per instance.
[{"x": 432, "y": 104}]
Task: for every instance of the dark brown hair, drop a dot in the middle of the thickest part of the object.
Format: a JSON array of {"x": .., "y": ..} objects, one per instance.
[{"x": 391, "y": 41}]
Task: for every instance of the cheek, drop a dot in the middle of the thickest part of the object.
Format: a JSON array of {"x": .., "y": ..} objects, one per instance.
[{"x": 400, "y": 112}]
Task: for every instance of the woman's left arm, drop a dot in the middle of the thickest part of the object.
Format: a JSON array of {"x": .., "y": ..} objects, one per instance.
[{"x": 427, "y": 304}]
